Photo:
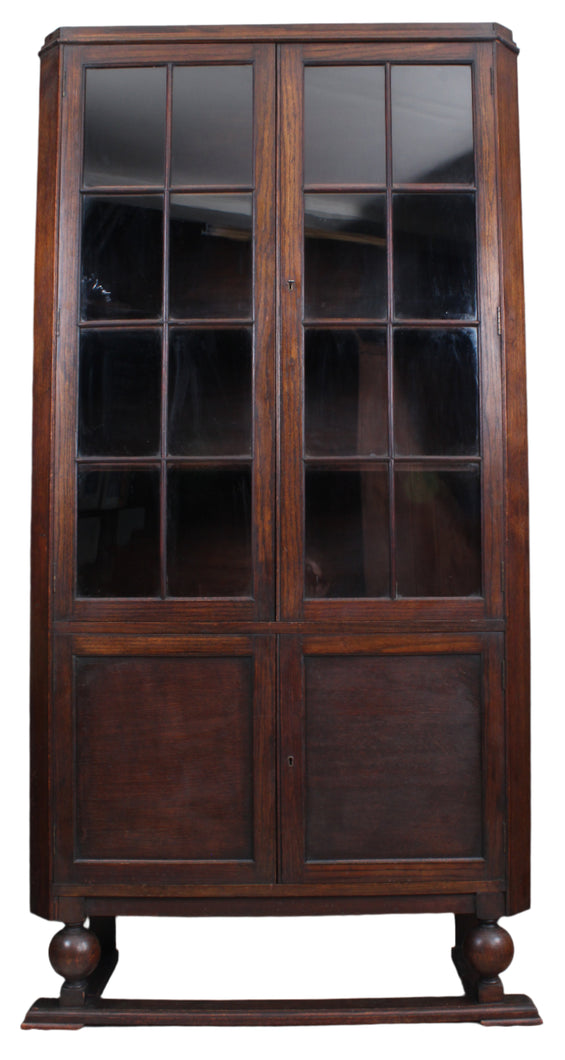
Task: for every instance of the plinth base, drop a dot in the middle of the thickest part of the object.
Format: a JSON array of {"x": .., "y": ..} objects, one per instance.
[{"x": 49, "y": 1013}]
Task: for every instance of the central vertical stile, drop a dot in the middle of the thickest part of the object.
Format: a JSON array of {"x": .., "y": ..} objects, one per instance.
[{"x": 389, "y": 335}]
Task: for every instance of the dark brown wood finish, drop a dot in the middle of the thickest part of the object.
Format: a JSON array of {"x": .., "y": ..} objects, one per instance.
[
  {"x": 316, "y": 905},
  {"x": 490, "y": 885},
  {"x": 291, "y": 226},
  {"x": 272, "y": 753},
  {"x": 45, "y": 343},
  {"x": 492, "y": 424},
  {"x": 515, "y": 1009},
  {"x": 482, "y": 950},
  {"x": 517, "y": 577},
  {"x": 399, "y": 31}
]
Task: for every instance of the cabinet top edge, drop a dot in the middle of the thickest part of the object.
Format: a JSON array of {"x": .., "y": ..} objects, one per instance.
[{"x": 317, "y": 32}]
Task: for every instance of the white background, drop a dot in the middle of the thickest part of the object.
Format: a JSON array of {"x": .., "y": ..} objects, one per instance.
[{"x": 349, "y": 956}]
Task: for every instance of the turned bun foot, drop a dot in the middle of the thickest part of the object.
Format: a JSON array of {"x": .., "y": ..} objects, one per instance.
[
  {"x": 74, "y": 953},
  {"x": 488, "y": 950}
]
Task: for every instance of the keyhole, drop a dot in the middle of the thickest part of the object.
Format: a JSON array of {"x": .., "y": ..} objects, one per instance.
[
  {"x": 290, "y": 760},
  {"x": 291, "y": 284}
]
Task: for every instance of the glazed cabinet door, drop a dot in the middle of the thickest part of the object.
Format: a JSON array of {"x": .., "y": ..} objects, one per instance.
[
  {"x": 164, "y": 760},
  {"x": 392, "y": 759},
  {"x": 165, "y": 386},
  {"x": 391, "y": 366}
]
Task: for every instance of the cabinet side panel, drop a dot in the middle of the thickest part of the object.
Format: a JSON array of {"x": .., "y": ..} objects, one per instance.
[
  {"x": 44, "y": 343},
  {"x": 517, "y": 560}
]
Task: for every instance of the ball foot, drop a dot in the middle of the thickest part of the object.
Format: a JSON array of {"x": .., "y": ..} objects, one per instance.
[{"x": 74, "y": 954}]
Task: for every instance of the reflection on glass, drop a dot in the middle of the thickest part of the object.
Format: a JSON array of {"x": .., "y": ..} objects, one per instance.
[
  {"x": 211, "y": 256},
  {"x": 434, "y": 256},
  {"x": 122, "y": 257},
  {"x": 347, "y": 538},
  {"x": 345, "y": 256},
  {"x": 436, "y": 392},
  {"x": 344, "y": 125},
  {"x": 119, "y": 393},
  {"x": 209, "y": 532},
  {"x": 212, "y": 135},
  {"x": 432, "y": 125},
  {"x": 210, "y": 389},
  {"x": 118, "y": 532},
  {"x": 438, "y": 531},
  {"x": 124, "y": 125},
  {"x": 345, "y": 392}
]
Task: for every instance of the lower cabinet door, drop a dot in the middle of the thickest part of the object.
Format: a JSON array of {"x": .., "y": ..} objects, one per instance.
[
  {"x": 165, "y": 759},
  {"x": 392, "y": 760}
]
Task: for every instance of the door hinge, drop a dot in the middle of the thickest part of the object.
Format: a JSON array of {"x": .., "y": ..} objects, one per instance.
[
  {"x": 58, "y": 324},
  {"x": 492, "y": 80},
  {"x": 499, "y": 320},
  {"x": 503, "y": 674},
  {"x": 64, "y": 83},
  {"x": 502, "y": 577}
]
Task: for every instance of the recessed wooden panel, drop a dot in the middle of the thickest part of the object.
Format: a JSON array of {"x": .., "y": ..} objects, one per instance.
[
  {"x": 163, "y": 753},
  {"x": 393, "y": 757}
]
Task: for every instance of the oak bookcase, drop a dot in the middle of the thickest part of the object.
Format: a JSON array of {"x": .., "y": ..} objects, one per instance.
[{"x": 280, "y": 553}]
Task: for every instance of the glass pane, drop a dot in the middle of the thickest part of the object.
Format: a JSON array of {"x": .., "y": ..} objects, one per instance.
[
  {"x": 212, "y": 125},
  {"x": 438, "y": 532},
  {"x": 210, "y": 389},
  {"x": 436, "y": 392},
  {"x": 344, "y": 125},
  {"x": 346, "y": 392},
  {"x": 124, "y": 126},
  {"x": 345, "y": 256},
  {"x": 432, "y": 124},
  {"x": 209, "y": 532},
  {"x": 211, "y": 256},
  {"x": 122, "y": 257},
  {"x": 434, "y": 256},
  {"x": 347, "y": 539},
  {"x": 119, "y": 393},
  {"x": 118, "y": 532}
]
